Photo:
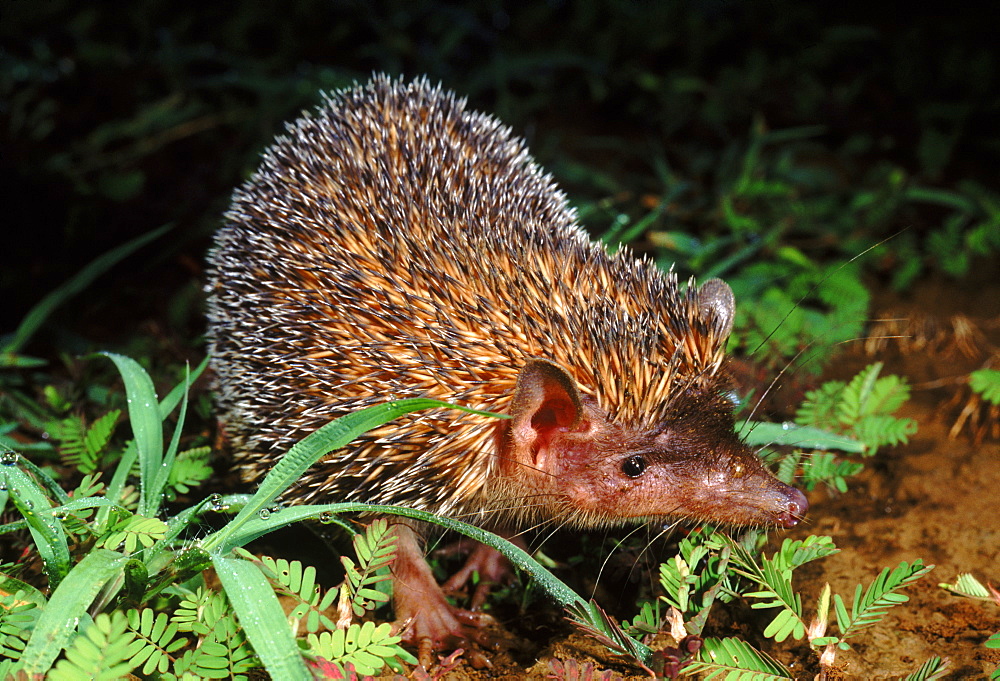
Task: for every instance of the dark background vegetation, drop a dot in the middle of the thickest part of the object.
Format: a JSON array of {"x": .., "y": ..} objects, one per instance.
[{"x": 119, "y": 118}]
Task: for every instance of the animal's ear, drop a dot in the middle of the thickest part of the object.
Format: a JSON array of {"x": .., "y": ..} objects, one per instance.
[
  {"x": 716, "y": 302},
  {"x": 546, "y": 400}
]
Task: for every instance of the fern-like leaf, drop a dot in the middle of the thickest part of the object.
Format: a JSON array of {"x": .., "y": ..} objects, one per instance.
[
  {"x": 99, "y": 652},
  {"x": 77, "y": 523},
  {"x": 223, "y": 650},
  {"x": 871, "y": 606},
  {"x": 132, "y": 532},
  {"x": 827, "y": 468},
  {"x": 676, "y": 580},
  {"x": 788, "y": 466},
  {"x": 190, "y": 468},
  {"x": 591, "y": 620},
  {"x": 17, "y": 617},
  {"x": 774, "y": 575},
  {"x": 90, "y": 486},
  {"x": 198, "y": 609},
  {"x": 696, "y": 576},
  {"x": 819, "y": 409},
  {"x": 369, "y": 647},
  {"x": 737, "y": 660},
  {"x": 863, "y": 407},
  {"x": 99, "y": 434},
  {"x": 878, "y": 430},
  {"x": 867, "y": 404},
  {"x": 71, "y": 433},
  {"x": 887, "y": 394},
  {"x": 293, "y": 581},
  {"x": 931, "y": 670},
  {"x": 967, "y": 585},
  {"x": 81, "y": 446},
  {"x": 854, "y": 401},
  {"x": 375, "y": 549},
  {"x": 156, "y": 640},
  {"x": 648, "y": 621}
]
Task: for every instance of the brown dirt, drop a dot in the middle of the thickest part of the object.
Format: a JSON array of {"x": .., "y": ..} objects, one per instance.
[{"x": 935, "y": 499}]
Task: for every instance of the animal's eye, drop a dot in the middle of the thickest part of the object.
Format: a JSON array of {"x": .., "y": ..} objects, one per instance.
[{"x": 634, "y": 466}]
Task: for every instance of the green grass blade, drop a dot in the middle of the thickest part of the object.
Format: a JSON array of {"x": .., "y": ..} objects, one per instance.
[
  {"x": 176, "y": 525},
  {"x": 69, "y": 602},
  {"x": 262, "y": 618},
  {"x": 75, "y": 505},
  {"x": 761, "y": 433},
  {"x": 163, "y": 473},
  {"x": 56, "y": 492},
  {"x": 120, "y": 477},
  {"x": 173, "y": 398},
  {"x": 117, "y": 485},
  {"x": 65, "y": 509},
  {"x": 78, "y": 282},
  {"x": 305, "y": 453},
  {"x": 47, "y": 532},
  {"x": 144, "y": 416}
]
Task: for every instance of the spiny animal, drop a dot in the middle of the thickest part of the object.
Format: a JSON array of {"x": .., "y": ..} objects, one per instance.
[{"x": 394, "y": 244}]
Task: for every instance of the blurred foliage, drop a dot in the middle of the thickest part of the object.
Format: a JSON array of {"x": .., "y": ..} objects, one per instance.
[{"x": 756, "y": 141}]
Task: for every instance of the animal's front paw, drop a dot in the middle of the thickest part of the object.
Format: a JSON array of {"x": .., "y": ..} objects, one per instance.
[
  {"x": 487, "y": 564},
  {"x": 429, "y": 623}
]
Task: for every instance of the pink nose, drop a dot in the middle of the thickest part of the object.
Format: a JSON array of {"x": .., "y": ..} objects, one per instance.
[{"x": 796, "y": 509}]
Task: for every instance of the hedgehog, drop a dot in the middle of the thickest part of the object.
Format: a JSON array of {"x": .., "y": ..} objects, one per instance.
[{"x": 394, "y": 244}]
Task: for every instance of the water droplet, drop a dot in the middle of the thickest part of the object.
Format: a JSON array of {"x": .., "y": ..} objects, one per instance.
[
  {"x": 8, "y": 457},
  {"x": 27, "y": 502},
  {"x": 264, "y": 514},
  {"x": 787, "y": 425},
  {"x": 215, "y": 501},
  {"x": 326, "y": 517}
]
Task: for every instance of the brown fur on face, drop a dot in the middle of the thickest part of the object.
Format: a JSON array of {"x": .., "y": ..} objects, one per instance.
[{"x": 564, "y": 458}]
